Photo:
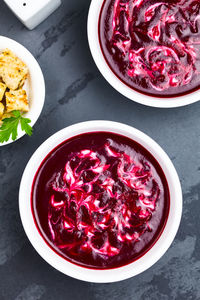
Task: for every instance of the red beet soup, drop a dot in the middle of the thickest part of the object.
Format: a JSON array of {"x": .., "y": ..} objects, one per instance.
[
  {"x": 100, "y": 200},
  {"x": 153, "y": 46}
]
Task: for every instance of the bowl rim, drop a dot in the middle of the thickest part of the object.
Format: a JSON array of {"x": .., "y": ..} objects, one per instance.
[
  {"x": 114, "y": 81},
  {"x": 37, "y": 83},
  {"x": 107, "y": 275}
]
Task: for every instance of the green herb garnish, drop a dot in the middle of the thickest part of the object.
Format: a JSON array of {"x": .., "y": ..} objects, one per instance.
[{"x": 10, "y": 125}]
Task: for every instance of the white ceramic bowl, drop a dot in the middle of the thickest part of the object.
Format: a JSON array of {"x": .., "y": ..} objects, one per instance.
[
  {"x": 79, "y": 272},
  {"x": 93, "y": 38},
  {"x": 34, "y": 85}
]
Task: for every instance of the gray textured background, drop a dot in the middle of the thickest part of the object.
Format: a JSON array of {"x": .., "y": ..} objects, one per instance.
[{"x": 77, "y": 92}]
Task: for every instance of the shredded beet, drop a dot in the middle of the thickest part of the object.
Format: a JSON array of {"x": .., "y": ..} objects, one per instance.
[
  {"x": 103, "y": 201},
  {"x": 153, "y": 45},
  {"x": 87, "y": 184}
]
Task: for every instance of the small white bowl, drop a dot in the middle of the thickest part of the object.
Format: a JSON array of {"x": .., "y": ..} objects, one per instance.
[
  {"x": 82, "y": 273},
  {"x": 34, "y": 85},
  {"x": 93, "y": 38}
]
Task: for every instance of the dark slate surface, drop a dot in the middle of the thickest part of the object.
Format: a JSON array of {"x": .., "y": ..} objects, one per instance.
[{"x": 76, "y": 92}]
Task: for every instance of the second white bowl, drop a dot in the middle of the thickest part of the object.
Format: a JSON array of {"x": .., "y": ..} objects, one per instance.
[{"x": 115, "y": 82}]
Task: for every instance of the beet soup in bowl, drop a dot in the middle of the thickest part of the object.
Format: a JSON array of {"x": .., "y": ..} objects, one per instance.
[
  {"x": 148, "y": 50},
  {"x": 100, "y": 201}
]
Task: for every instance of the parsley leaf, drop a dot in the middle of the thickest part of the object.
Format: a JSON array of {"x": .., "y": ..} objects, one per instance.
[
  {"x": 25, "y": 126},
  {"x": 16, "y": 113},
  {"x": 10, "y": 126}
]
